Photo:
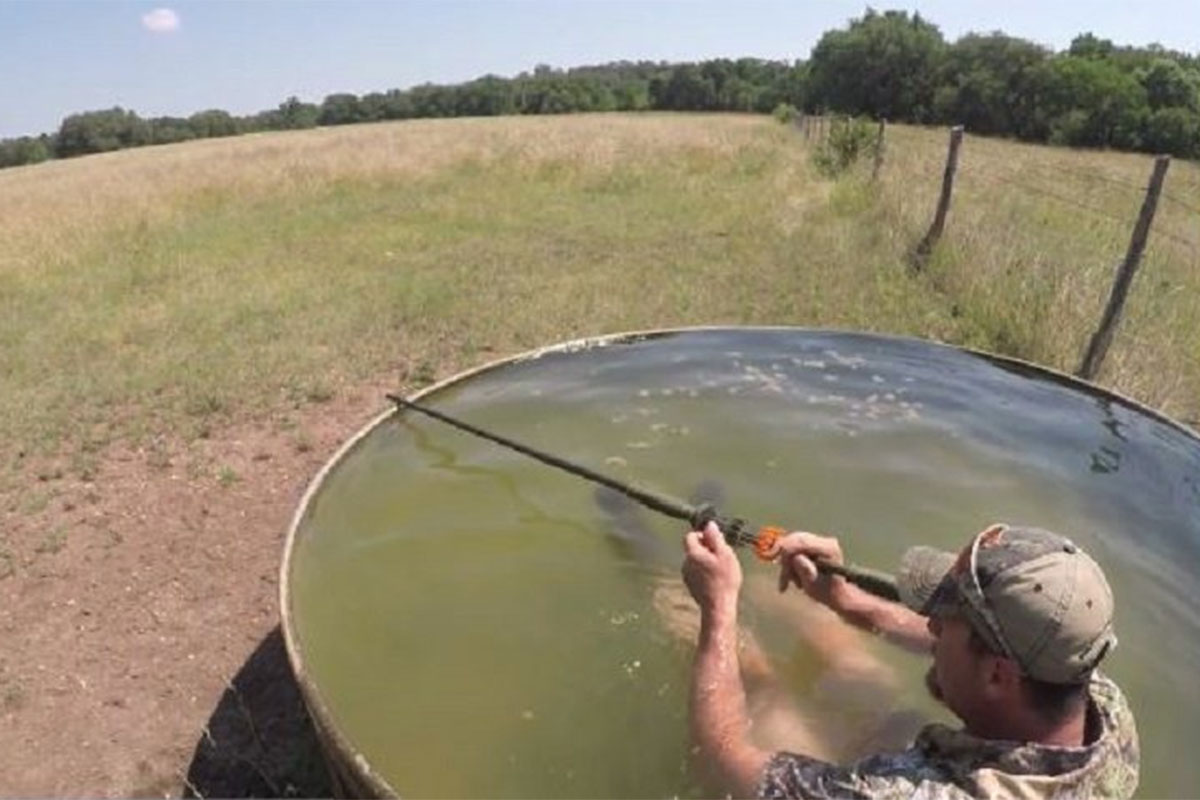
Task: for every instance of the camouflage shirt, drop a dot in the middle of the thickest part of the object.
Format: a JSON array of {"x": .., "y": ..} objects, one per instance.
[{"x": 948, "y": 763}]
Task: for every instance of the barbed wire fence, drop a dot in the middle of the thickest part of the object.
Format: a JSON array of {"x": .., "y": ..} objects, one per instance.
[{"x": 1147, "y": 223}]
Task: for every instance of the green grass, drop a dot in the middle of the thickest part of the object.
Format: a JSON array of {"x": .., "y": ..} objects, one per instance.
[
  {"x": 227, "y": 476},
  {"x": 213, "y": 281}
]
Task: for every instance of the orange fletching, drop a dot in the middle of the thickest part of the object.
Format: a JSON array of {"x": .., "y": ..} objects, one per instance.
[{"x": 765, "y": 540}]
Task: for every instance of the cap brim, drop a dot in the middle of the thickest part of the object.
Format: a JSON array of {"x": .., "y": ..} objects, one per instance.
[{"x": 924, "y": 580}]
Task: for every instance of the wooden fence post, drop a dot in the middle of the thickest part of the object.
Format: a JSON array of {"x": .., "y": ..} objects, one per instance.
[
  {"x": 921, "y": 256},
  {"x": 1098, "y": 347},
  {"x": 878, "y": 151}
]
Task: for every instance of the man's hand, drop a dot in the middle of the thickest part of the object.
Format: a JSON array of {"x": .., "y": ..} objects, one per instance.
[
  {"x": 798, "y": 553},
  {"x": 712, "y": 572}
]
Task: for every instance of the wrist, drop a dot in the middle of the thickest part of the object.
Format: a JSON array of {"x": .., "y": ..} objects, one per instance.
[
  {"x": 844, "y": 597},
  {"x": 719, "y": 615}
]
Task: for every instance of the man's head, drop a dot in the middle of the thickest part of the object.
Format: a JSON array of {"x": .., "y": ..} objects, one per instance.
[{"x": 1018, "y": 613}]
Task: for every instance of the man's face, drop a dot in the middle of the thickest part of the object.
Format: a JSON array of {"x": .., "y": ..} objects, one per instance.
[{"x": 958, "y": 674}]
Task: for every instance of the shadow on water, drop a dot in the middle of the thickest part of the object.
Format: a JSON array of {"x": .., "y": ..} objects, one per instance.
[
  {"x": 1106, "y": 458},
  {"x": 259, "y": 741}
]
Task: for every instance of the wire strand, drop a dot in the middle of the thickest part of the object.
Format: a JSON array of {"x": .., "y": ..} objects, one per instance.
[
  {"x": 1093, "y": 176},
  {"x": 1182, "y": 203},
  {"x": 1045, "y": 193},
  {"x": 1177, "y": 238}
]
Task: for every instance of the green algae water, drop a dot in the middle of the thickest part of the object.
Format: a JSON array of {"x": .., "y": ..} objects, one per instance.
[{"x": 475, "y": 624}]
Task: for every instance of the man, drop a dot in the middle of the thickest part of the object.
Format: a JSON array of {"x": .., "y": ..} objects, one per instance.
[{"x": 1016, "y": 623}]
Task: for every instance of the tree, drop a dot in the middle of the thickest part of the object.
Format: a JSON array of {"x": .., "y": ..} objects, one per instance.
[
  {"x": 398, "y": 105},
  {"x": 24, "y": 150},
  {"x": 632, "y": 95},
  {"x": 1169, "y": 84},
  {"x": 687, "y": 89},
  {"x": 488, "y": 96},
  {"x": 169, "y": 130},
  {"x": 429, "y": 100},
  {"x": 213, "y": 122},
  {"x": 340, "y": 109},
  {"x": 883, "y": 65},
  {"x": 101, "y": 131},
  {"x": 1087, "y": 45},
  {"x": 1173, "y": 130},
  {"x": 986, "y": 82},
  {"x": 1086, "y": 102},
  {"x": 293, "y": 114},
  {"x": 373, "y": 107}
]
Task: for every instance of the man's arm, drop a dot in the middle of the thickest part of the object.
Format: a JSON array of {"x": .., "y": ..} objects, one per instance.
[
  {"x": 720, "y": 726},
  {"x": 797, "y": 554},
  {"x": 895, "y": 622}
]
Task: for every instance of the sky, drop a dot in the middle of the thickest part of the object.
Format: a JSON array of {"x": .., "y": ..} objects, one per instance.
[{"x": 176, "y": 57}]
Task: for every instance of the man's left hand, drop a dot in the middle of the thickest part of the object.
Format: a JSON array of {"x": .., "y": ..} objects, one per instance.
[{"x": 712, "y": 572}]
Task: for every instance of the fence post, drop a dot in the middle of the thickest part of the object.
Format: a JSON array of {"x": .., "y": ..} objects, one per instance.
[
  {"x": 1098, "y": 347},
  {"x": 921, "y": 256},
  {"x": 878, "y": 151}
]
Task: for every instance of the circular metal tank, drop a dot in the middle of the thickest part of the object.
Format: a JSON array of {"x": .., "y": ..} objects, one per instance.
[{"x": 1131, "y": 462}]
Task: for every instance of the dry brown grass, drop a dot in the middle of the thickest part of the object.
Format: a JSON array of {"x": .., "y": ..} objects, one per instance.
[
  {"x": 54, "y": 209},
  {"x": 162, "y": 290},
  {"x": 1033, "y": 241}
]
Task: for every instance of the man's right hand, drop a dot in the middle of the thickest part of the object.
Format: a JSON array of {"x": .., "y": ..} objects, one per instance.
[{"x": 798, "y": 553}]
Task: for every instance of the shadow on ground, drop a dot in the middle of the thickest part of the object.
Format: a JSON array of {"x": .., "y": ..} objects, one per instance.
[{"x": 259, "y": 741}]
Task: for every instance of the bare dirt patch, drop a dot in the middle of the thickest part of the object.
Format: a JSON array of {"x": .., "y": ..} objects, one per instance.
[{"x": 138, "y": 611}]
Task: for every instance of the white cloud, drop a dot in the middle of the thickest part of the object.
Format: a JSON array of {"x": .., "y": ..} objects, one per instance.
[{"x": 161, "y": 20}]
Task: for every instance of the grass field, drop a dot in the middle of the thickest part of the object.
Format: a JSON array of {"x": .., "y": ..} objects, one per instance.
[
  {"x": 182, "y": 329},
  {"x": 168, "y": 288}
]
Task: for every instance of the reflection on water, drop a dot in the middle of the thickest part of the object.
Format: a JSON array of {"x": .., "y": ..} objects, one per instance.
[{"x": 480, "y": 625}]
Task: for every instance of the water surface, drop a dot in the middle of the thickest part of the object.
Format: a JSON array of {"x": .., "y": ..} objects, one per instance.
[{"x": 476, "y": 627}]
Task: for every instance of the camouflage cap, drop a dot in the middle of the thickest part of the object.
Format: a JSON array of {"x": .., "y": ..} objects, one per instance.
[{"x": 1031, "y": 594}]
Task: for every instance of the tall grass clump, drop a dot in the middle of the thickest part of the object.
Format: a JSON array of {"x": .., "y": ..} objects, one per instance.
[{"x": 849, "y": 140}]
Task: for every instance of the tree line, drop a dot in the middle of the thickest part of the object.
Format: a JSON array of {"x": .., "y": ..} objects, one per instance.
[{"x": 889, "y": 65}]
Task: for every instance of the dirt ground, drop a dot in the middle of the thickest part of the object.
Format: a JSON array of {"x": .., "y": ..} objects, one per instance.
[{"x": 139, "y": 616}]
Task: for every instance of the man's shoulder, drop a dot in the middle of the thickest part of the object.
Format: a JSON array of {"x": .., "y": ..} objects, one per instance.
[
  {"x": 1109, "y": 698},
  {"x": 949, "y": 763},
  {"x": 901, "y": 774},
  {"x": 1118, "y": 755}
]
